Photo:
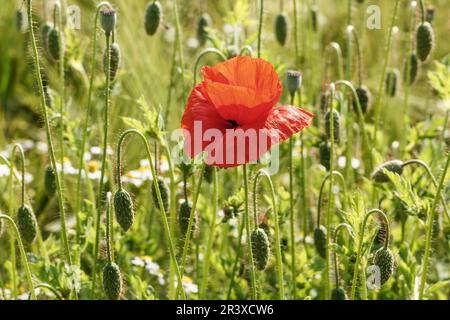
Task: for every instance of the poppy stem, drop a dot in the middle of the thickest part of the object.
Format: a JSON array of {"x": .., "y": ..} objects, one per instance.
[
  {"x": 179, "y": 40},
  {"x": 187, "y": 238},
  {"x": 278, "y": 257},
  {"x": 201, "y": 55},
  {"x": 383, "y": 72},
  {"x": 261, "y": 12},
  {"x": 322, "y": 187},
  {"x": 211, "y": 237},
  {"x": 248, "y": 233},
  {"x": 104, "y": 155},
  {"x": 360, "y": 245},
  {"x": 336, "y": 233},
  {"x": 297, "y": 55},
  {"x": 431, "y": 217},
  {"x": 330, "y": 195},
  {"x": 51, "y": 150},
  {"x": 85, "y": 133},
  {"x": 22, "y": 253},
  {"x": 109, "y": 239},
  {"x": 291, "y": 213}
]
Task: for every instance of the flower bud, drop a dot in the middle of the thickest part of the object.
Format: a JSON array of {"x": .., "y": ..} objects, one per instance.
[
  {"x": 27, "y": 224},
  {"x": 153, "y": 15},
  {"x": 112, "y": 281},
  {"x": 336, "y": 125},
  {"x": 320, "y": 240},
  {"x": 50, "y": 181},
  {"x": 123, "y": 207},
  {"x": 325, "y": 155},
  {"x": 385, "y": 260},
  {"x": 203, "y": 23},
  {"x": 424, "y": 40},
  {"x": 364, "y": 99},
  {"x": 338, "y": 294},
  {"x": 260, "y": 248},
  {"x": 164, "y": 194},
  {"x": 413, "y": 69},
  {"x": 379, "y": 174},
  {"x": 114, "y": 61},
  {"x": 281, "y": 28},
  {"x": 391, "y": 82}
]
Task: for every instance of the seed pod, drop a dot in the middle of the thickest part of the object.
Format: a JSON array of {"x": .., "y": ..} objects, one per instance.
[
  {"x": 391, "y": 82},
  {"x": 424, "y": 40},
  {"x": 380, "y": 176},
  {"x": 112, "y": 281},
  {"x": 281, "y": 28},
  {"x": 413, "y": 69},
  {"x": 338, "y": 294},
  {"x": 325, "y": 155},
  {"x": 385, "y": 260},
  {"x": 336, "y": 125},
  {"x": 114, "y": 61},
  {"x": 27, "y": 224},
  {"x": 183, "y": 219},
  {"x": 153, "y": 15},
  {"x": 50, "y": 181},
  {"x": 320, "y": 241},
  {"x": 164, "y": 194},
  {"x": 260, "y": 248},
  {"x": 203, "y": 23},
  {"x": 54, "y": 46},
  {"x": 293, "y": 81},
  {"x": 123, "y": 206},
  {"x": 364, "y": 99},
  {"x": 108, "y": 19},
  {"x": 207, "y": 174}
]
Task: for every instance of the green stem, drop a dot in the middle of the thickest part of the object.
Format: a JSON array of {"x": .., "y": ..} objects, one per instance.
[
  {"x": 23, "y": 254},
  {"x": 359, "y": 55},
  {"x": 336, "y": 48},
  {"x": 165, "y": 221},
  {"x": 260, "y": 25},
  {"x": 49, "y": 288},
  {"x": 349, "y": 12},
  {"x": 212, "y": 231},
  {"x": 48, "y": 134},
  {"x": 297, "y": 55},
  {"x": 248, "y": 233},
  {"x": 383, "y": 72},
  {"x": 109, "y": 240},
  {"x": 179, "y": 39},
  {"x": 247, "y": 49},
  {"x": 322, "y": 187},
  {"x": 330, "y": 195},
  {"x": 432, "y": 177},
  {"x": 104, "y": 155},
  {"x": 200, "y": 56},
  {"x": 85, "y": 131},
  {"x": 426, "y": 256},
  {"x": 336, "y": 233},
  {"x": 368, "y": 156},
  {"x": 279, "y": 260},
  {"x": 291, "y": 219},
  {"x": 360, "y": 244}
]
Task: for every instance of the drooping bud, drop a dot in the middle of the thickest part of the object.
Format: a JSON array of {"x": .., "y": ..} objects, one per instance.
[
  {"x": 50, "y": 181},
  {"x": 413, "y": 69},
  {"x": 364, "y": 99},
  {"x": 324, "y": 100},
  {"x": 153, "y": 16},
  {"x": 183, "y": 219},
  {"x": 320, "y": 240},
  {"x": 123, "y": 207},
  {"x": 293, "y": 81},
  {"x": 385, "y": 260},
  {"x": 424, "y": 40},
  {"x": 207, "y": 174},
  {"x": 338, "y": 294},
  {"x": 112, "y": 281},
  {"x": 336, "y": 125},
  {"x": 20, "y": 20},
  {"x": 430, "y": 15},
  {"x": 260, "y": 248},
  {"x": 27, "y": 224},
  {"x": 114, "y": 61},
  {"x": 395, "y": 166},
  {"x": 325, "y": 155},
  {"x": 314, "y": 15},
  {"x": 202, "y": 33},
  {"x": 391, "y": 82},
  {"x": 108, "y": 19},
  {"x": 164, "y": 194},
  {"x": 54, "y": 45},
  {"x": 281, "y": 28}
]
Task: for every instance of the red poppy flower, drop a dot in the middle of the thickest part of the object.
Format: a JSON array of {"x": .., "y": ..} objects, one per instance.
[{"x": 232, "y": 115}]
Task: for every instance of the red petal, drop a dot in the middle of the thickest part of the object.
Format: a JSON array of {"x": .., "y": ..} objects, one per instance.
[{"x": 233, "y": 150}]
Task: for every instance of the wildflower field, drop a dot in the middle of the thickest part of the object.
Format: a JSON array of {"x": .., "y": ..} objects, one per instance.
[{"x": 224, "y": 150}]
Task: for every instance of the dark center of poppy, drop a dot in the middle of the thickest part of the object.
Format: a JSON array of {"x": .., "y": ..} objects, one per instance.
[{"x": 233, "y": 123}]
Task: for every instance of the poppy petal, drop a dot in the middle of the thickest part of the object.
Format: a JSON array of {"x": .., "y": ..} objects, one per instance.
[{"x": 248, "y": 144}]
